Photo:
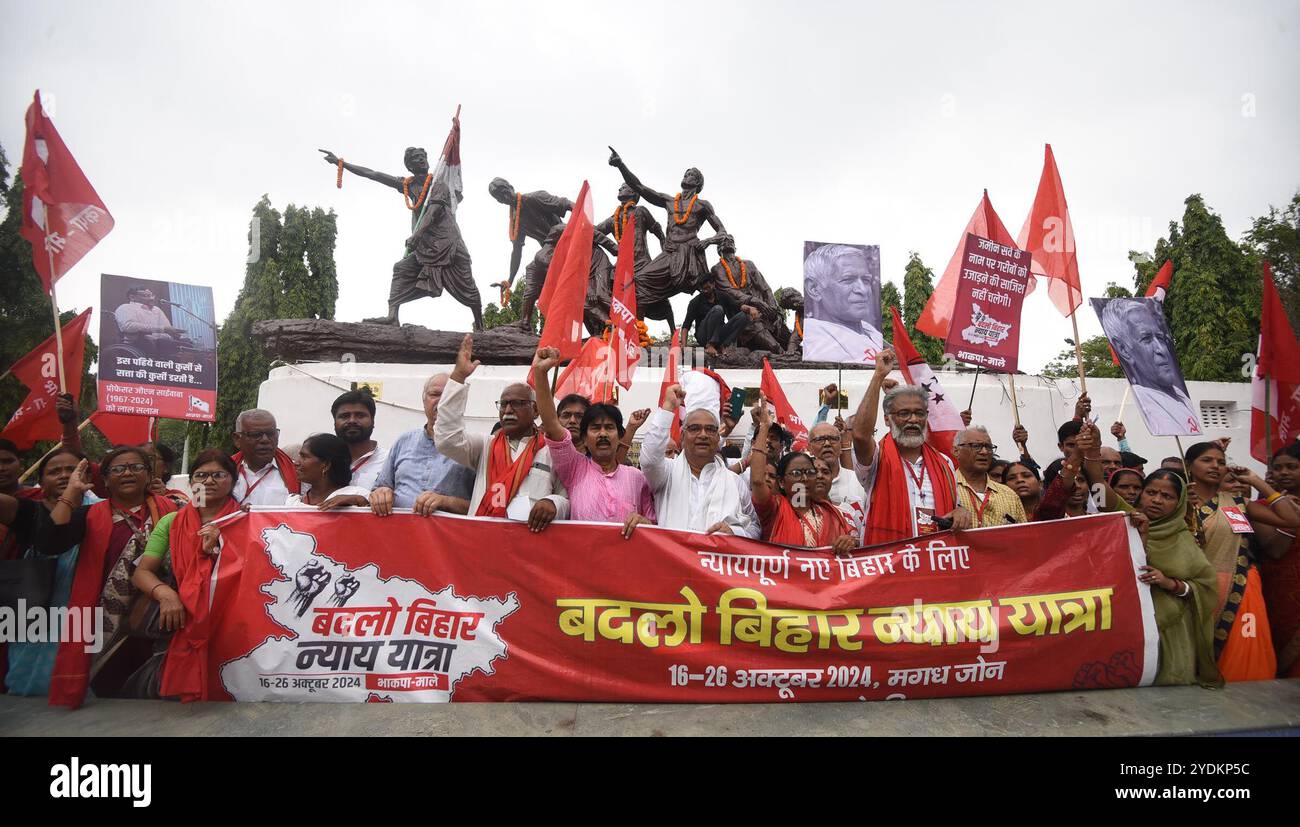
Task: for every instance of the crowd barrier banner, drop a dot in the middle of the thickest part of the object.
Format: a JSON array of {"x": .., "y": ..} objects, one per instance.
[{"x": 354, "y": 607}]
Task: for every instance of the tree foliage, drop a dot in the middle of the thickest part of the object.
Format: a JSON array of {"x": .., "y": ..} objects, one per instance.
[
  {"x": 1097, "y": 362},
  {"x": 889, "y": 297},
  {"x": 1276, "y": 238},
  {"x": 496, "y": 316},
  {"x": 918, "y": 284}
]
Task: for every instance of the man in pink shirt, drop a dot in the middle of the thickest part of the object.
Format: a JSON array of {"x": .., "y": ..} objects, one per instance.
[{"x": 600, "y": 488}]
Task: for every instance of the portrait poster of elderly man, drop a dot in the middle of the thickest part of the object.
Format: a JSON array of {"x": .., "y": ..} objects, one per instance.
[
  {"x": 841, "y": 303},
  {"x": 1140, "y": 338}
]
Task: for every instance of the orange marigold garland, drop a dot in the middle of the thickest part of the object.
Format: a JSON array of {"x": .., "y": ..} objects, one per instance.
[
  {"x": 620, "y": 219},
  {"x": 744, "y": 272},
  {"x": 798, "y": 323},
  {"x": 515, "y": 216},
  {"x": 677, "y": 203},
  {"x": 406, "y": 191},
  {"x": 340, "y": 179},
  {"x": 643, "y": 333}
]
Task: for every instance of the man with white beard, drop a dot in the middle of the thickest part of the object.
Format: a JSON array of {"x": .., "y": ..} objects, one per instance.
[{"x": 909, "y": 485}]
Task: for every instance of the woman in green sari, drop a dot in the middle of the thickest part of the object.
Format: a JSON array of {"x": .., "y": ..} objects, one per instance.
[{"x": 1184, "y": 587}]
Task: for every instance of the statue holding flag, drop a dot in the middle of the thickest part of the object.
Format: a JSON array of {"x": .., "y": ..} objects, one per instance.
[{"x": 436, "y": 257}]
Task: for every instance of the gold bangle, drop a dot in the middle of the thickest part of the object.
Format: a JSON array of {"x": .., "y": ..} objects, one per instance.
[{"x": 1277, "y": 495}]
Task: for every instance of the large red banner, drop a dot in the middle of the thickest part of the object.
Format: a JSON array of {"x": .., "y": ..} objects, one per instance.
[
  {"x": 985, "y": 326},
  {"x": 353, "y": 607}
]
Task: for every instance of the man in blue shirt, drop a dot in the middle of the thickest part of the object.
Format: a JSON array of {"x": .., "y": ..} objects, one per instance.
[{"x": 416, "y": 475}]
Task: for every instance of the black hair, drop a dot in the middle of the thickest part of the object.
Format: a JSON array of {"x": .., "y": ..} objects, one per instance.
[
  {"x": 1292, "y": 450},
  {"x": 775, "y": 430},
  {"x": 332, "y": 449},
  {"x": 1068, "y": 430},
  {"x": 1052, "y": 472},
  {"x": 8, "y": 445},
  {"x": 1198, "y": 450},
  {"x": 164, "y": 453},
  {"x": 1166, "y": 474},
  {"x": 1118, "y": 471},
  {"x": 1033, "y": 469},
  {"x": 114, "y": 453},
  {"x": 601, "y": 410},
  {"x": 57, "y": 452},
  {"x": 361, "y": 396},
  {"x": 572, "y": 399},
  {"x": 998, "y": 463},
  {"x": 784, "y": 463},
  {"x": 221, "y": 458},
  {"x": 1128, "y": 459}
]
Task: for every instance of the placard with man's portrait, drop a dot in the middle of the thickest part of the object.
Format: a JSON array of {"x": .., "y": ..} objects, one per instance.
[
  {"x": 1140, "y": 338},
  {"x": 841, "y": 290}
]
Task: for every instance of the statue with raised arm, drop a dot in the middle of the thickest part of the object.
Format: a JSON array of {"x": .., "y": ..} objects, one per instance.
[
  {"x": 681, "y": 265},
  {"x": 600, "y": 282},
  {"x": 532, "y": 215},
  {"x": 436, "y": 256}
]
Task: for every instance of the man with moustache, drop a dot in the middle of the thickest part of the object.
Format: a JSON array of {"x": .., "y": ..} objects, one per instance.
[
  {"x": 512, "y": 463},
  {"x": 416, "y": 474},
  {"x": 846, "y": 491},
  {"x": 267, "y": 475},
  {"x": 909, "y": 485},
  {"x": 354, "y": 423},
  {"x": 991, "y": 502}
]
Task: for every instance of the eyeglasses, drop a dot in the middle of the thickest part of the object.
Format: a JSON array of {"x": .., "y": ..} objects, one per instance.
[
  {"x": 825, "y": 438},
  {"x": 127, "y": 468},
  {"x": 978, "y": 446},
  {"x": 801, "y": 473},
  {"x": 215, "y": 476},
  {"x": 258, "y": 436},
  {"x": 515, "y": 404},
  {"x": 695, "y": 430},
  {"x": 905, "y": 415}
]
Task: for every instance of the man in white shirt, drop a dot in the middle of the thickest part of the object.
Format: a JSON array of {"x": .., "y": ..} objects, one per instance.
[
  {"x": 497, "y": 460},
  {"x": 142, "y": 322},
  {"x": 694, "y": 490},
  {"x": 266, "y": 474},
  {"x": 825, "y": 442},
  {"x": 354, "y": 423}
]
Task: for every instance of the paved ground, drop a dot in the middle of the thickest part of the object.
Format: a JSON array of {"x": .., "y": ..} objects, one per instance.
[{"x": 1265, "y": 706}]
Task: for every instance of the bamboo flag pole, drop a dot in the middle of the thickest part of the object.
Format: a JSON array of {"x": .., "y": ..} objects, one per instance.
[
  {"x": 1015, "y": 409},
  {"x": 973, "y": 383},
  {"x": 37, "y": 463},
  {"x": 839, "y": 387},
  {"x": 1182, "y": 456},
  {"x": 58, "y": 328},
  {"x": 1078, "y": 353},
  {"x": 1123, "y": 403}
]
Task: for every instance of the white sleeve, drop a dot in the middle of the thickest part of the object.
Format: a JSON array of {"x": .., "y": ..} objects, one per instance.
[
  {"x": 654, "y": 439},
  {"x": 449, "y": 433},
  {"x": 746, "y": 523}
]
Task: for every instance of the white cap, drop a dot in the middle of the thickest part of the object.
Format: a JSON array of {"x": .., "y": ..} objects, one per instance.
[{"x": 702, "y": 393}]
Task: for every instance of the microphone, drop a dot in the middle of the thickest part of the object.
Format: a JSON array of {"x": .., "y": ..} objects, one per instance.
[{"x": 166, "y": 301}]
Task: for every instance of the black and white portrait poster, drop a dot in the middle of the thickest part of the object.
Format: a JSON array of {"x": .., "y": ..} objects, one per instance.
[
  {"x": 841, "y": 291},
  {"x": 1140, "y": 338}
]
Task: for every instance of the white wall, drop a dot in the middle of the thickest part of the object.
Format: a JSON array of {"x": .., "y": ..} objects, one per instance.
[{"x": 300, "y": 398}]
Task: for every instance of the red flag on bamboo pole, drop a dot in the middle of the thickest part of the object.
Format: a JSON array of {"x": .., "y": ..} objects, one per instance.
[
  {"x": 125, "y": 429},
  {"x": 565, "y": 292},
  {"x": 937, "y": 315},
  {"x": 1275, "y": 385},
  {"x": 63, "y": 216},
  {"x": 1048, "y": 236},
  {"x": 36, "y": 418},
  {"x": 624, "y": 335},
  {"x": 785, "y": 413}
]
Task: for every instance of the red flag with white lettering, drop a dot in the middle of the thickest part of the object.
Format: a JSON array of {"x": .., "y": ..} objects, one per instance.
[
  {"x": 622, "y": 306},
  {"x": 591, "y": 374},
  {"x": 63, "y": 216},
  {"x": 1278, "y": 369},
  {"x": 565, "y": 292},
  {"x": 785, "y": 413},
  {"x": 36, "y": 419}
]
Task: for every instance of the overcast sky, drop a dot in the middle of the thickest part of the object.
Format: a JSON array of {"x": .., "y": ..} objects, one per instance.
[{"x": 853, "y": 122}]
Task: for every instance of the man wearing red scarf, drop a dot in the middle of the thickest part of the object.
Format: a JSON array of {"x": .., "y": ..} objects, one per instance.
[
  {"x": 266, "y": 474},
  {"x": 511, "y": 463},
  {"x": 909, "y": 485}
]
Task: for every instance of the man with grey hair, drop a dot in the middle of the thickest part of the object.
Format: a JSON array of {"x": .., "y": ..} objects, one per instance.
[
  {"x": 267, "y": 475},
  {"x": 416, "y": 474},
  {"x": 911, "y": 488},
  {"x": 991, "y": 502},
  {"x": 842, "y": 301}
]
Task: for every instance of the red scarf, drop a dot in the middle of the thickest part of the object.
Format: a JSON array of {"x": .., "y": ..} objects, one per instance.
[
  {"x": 71, "y": 673},
  {"x": 185, "y": 670},
  {"x": 787, "y": 527},
  {"x": 505, "y": 475},
  {"x": 288, "y": 472},
  {"x": 890, "y": 515}
]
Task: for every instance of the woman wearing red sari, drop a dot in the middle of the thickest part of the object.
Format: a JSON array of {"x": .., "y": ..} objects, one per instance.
[
  {"x": 112, "y": 534},
  {"x": 798, "y": 512},
  {"x": 1279, "y": 568}
]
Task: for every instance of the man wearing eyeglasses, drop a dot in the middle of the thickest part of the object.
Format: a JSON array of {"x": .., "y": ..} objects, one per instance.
[
  {"x": 513, "y": 463},
  {"x": 266, "y": 474},
  {"x": 824, "y": 442},
  {"x": 991, "y": 503}
]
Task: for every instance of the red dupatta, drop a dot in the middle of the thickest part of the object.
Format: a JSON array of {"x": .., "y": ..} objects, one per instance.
[
  {"x": 185, "y": 669},
  {"x": 504, "y": 475},
  {"x": 71, "y": 673},
  {"x": 890, "y": 515},
  {"x": 787, "y": 526},
  {"x": 284, "y": 464}
]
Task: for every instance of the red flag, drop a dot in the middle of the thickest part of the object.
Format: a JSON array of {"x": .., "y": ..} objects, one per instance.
[
  {"x": 785, "y": 413},
  {"x": 591, "y": 374},
  {"x": 63, "y": 216},
  {"x": 622, "y": 306},
  {"x": 670, "y": 379},
  {"x": 937, "y": 315},
  {"x": 944, "y": 420},
  {"x": 1278, "y": 369},
  {"x": 565, "y": 292},
  {"x": 1048, "y": 236},
  {"x": 36, "y": 419},
  {"x": 124, "y": 429}
]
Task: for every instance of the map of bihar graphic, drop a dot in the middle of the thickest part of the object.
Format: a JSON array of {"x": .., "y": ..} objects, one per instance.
[
  {"x": 353, "y": 636},
  {"x": 984, "y": 328}
]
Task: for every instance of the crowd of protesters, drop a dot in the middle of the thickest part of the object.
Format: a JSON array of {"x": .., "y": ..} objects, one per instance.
[{"x": 1223, "y": 562}]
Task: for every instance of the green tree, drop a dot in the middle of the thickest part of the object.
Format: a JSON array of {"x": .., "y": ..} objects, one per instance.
[
  {"x": 290, "y": 275},
  {"x": 918, "y": 284},
  {"x": 1097, "y": 362},
  {"x": 496, "y": 316},
  {"x": 1276, "y": 238},
  {"x": 25, "y": 315},
  {"x": 1212, "y": 306},
  {"x": 889, "y": 298}
]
